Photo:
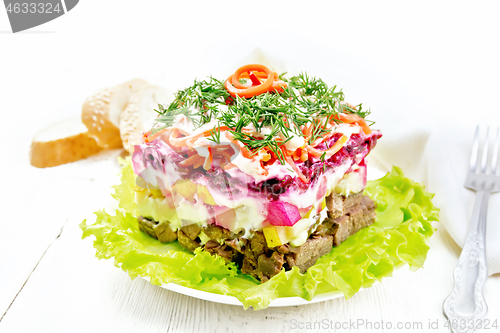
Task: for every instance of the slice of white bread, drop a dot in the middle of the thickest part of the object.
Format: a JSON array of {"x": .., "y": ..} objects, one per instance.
[
  {"x": 139, "y": 115},
  {"x": 62, "y": 142},
  {"x": 101, "y": 112}
]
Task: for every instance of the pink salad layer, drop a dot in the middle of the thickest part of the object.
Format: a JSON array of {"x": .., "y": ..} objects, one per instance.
[{"x": 247, "y": 195}]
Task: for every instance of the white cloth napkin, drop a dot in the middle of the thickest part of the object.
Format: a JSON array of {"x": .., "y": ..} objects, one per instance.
[{"x": 440, "y": 158}]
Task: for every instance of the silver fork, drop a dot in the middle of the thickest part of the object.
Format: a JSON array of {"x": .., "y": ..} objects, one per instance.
[{"x": 465, "y": 306}]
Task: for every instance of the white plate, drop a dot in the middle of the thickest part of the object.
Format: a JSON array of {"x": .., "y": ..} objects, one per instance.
[
  {"x": 279, "y": 302},
  {"x": 111, "y": 205}
]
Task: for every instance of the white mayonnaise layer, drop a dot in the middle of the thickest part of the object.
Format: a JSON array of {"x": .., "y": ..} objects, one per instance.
[
  {"x": 249, "y": 210},
  {"x": 245, "y": 211}
]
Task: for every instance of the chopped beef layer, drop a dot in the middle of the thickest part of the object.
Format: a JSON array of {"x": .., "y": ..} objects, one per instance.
[
  {"x": 346, "y": 216},
  {"x": 160, "y": 231}
]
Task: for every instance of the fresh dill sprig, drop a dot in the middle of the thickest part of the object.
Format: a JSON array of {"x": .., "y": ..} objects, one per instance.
[
  {"x": 322, "y": 159},
  {"x": 167, "y": 116},
  {"x": 276, "y": 116},
  {"x": 215, "y": 135},
  {"x": 319, "y": 128}
]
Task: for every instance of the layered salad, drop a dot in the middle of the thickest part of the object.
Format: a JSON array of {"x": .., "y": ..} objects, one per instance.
[{"x": 263, "y": 170}]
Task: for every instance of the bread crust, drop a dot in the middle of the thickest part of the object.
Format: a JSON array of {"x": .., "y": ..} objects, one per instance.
[
  {"x": 101, "y": 112},
  {"x": 139, "y": 114},
  {"x": 44, "y": 154}
]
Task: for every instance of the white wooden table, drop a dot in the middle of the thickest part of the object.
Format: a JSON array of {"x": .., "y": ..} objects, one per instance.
[
  {"x": 65, "y": 289},
  {"x": 50, "y": 280}
]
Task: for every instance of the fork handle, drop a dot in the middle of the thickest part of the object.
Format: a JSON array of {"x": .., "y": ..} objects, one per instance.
[{"x": 465, "y": 305}]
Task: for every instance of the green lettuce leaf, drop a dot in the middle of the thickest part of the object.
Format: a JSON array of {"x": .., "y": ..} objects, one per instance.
[
  {"x": 400, "y": 235},
  {"x": 124, "y": 192}
]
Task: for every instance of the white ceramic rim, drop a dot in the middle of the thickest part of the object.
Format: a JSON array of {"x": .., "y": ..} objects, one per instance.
[
  {"x": 279, "y": 302},
  {"x": 373, "y": 173}
]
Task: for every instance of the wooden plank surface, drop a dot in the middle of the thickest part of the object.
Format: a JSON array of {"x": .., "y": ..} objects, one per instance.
[
  {"x": 33, "y": 213},
  {"x": 450, "y": 61},
  {"x": 37, "y": 202},
  {"x": 71, "y": 290}
]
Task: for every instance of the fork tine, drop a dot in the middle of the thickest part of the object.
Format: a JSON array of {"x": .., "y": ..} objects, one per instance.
[
  {"x": 484, "y": 151},
  {"x": 496, "y": 150},
  {"x": 474, "y": 152}
]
